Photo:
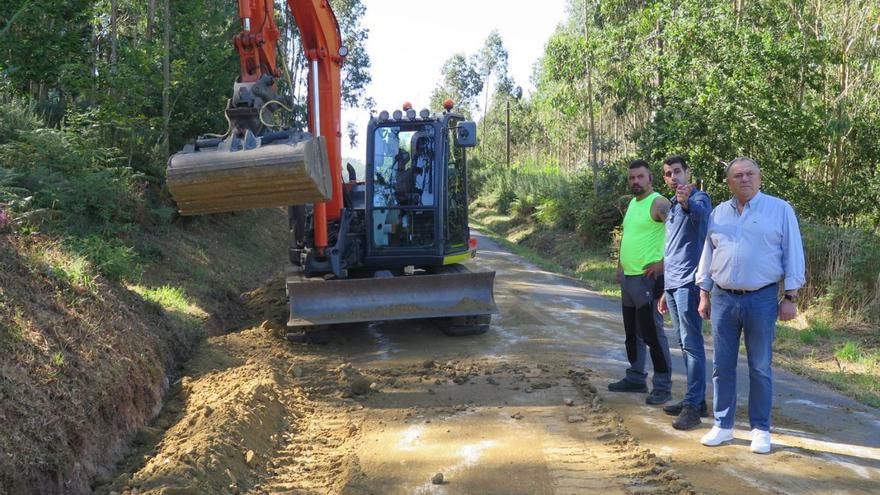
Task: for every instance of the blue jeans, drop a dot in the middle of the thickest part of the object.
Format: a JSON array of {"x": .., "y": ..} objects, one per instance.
[
  {"x": 688, "y": 326},
  {"x": 753, "y": 315}
]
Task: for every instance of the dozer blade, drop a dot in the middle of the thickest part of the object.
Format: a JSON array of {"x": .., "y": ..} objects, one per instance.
[
  {"x": 214, "y": 180},
  {"x": 395, "y": 298}
]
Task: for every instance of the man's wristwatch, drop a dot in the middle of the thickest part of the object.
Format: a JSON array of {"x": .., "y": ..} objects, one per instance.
[{"x": 790, "y": 297}]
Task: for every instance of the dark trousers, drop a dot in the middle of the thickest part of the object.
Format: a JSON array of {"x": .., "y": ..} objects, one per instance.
[{"x": 643, "y": 325}]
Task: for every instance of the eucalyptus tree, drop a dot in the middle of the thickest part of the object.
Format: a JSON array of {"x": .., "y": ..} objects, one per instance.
[{"x": 461, "y": 81}]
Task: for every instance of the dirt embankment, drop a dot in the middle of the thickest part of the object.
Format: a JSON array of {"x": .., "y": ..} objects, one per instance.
[
  {"x": 79, "y": 370},
  {"x": 85, "y": 362}
]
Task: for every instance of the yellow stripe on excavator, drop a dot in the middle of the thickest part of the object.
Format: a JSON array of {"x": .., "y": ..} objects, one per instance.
[{"x": 458, "y": 258}]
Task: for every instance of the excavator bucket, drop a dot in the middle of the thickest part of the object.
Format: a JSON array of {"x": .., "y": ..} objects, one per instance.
[
  {"x": 293, "y": 170},
  {"x": 328, "y": 302}
]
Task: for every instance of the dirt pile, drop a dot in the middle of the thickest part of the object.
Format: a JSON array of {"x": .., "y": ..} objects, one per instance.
[
  {"x": 229, "y": 419},
  {"x": 251, "y": 413}
]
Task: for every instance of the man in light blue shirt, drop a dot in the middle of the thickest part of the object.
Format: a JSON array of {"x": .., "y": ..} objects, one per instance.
[{"x": 753, "y": 244}]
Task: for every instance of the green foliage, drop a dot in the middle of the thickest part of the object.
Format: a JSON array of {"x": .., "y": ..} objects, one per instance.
[
  {"x": 556, "y": 199},
  {"x": 74, "y": 182},
  {"x": 461, "y": 81},
  {"x": 169, "y": 297},
  {"x": 807, "y": 337},
  {"x": 792, "y": 85},
  {"x": 849, "y": 351},
  {"x": 111, "y": 257},
  {"x": 82, "y": 154},
  {"x": 17, "y": 116},
  {"x": 843, "y": 266},
  {"x": 76, "y": 271},
  {"x": 65, "y": 183},
  {"x": 821, "y": 328}
]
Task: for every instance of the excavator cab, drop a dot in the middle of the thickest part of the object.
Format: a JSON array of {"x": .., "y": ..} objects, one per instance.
[
  {"x": 406, "y": 233},
  {"x": 413, "y": 164}
]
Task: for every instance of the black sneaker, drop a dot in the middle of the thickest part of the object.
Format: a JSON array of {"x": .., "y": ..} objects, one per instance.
[
  {"x": 625, "y": 385},
  {"x": 688, "y": 419},
  {"x": 657, "y": 397},
  {"x": 675, "y": 409}
]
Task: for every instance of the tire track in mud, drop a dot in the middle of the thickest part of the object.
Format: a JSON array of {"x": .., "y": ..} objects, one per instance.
[
  {"x": 561, "y": 446},
  {"x": 591, "y": 437},
  {"x": 258, "y": 415}
]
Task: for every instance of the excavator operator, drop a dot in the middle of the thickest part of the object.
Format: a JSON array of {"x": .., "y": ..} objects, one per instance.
[{"x": 404, "y": 181}]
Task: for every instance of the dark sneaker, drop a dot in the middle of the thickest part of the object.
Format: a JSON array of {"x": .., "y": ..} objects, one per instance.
[
  {"x": 688, "y": 419},
  {"x": 675, "y": 409},
  {"x": 657, "y": 397},
  {"x": 625, "y": 385}
]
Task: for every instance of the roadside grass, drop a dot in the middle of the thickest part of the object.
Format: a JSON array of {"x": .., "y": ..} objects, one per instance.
[
  {"x": 840, "y": 353},
  {"x": 254, "y": 246},
  {"x": 170, "y": 298},
  {"x": 53, "y": 260},
  {"x": 176, "y": 303}
]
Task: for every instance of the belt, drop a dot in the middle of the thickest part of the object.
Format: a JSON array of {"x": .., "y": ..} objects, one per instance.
[{"x": 741, "y": 292}]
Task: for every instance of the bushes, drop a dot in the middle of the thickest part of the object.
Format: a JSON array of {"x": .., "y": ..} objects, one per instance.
[
  {"x": 843, "y": 270},
  {"x": 556, "y": 199},
  {"x": 16, "y": 117},
  {"x": 66, "y": 183}
]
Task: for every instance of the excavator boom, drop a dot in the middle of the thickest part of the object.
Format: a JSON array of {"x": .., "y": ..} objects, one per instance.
[{"x": 254, "y": 165}]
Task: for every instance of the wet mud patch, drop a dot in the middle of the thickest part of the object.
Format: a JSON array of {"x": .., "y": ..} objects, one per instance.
[{"x": 496, "y": 425}]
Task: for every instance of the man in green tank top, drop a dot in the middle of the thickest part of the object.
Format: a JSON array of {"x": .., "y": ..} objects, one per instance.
[{"x": 640, "y": 272}]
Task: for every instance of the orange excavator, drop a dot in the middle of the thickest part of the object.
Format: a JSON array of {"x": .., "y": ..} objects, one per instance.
[{"x": 387, "y": 246}]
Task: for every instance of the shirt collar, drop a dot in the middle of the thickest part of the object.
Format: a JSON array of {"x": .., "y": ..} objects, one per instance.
[{"x": 755, "y": 201}]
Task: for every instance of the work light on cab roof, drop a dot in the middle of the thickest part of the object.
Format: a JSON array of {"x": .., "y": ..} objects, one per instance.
[{"x": 407, "y": 113}]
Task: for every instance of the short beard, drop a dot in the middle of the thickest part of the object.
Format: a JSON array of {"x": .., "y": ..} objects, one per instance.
[{"x": 636, "y": 189}]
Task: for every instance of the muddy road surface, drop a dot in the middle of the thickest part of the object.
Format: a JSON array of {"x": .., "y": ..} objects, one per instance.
[{"x": 400, "y": 408}]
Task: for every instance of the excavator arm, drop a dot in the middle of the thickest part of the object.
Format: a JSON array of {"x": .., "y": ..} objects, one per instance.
[
  {"x": 254, "y": 165},
  {"x": 322, "y": 46}
]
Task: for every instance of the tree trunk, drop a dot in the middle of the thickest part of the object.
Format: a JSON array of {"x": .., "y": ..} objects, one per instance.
[
  {"x": 485, "y": 111},
  {"x": 508, "y": 131},
  {"x": 151, "y": 16},
  {"x": 593, "y": 164},
  {"x": 661, "y": 99},
  {"x": 114, "y": 18},
  {"x": 93, "y": 64},
  {"x": 166, "y": 73}
]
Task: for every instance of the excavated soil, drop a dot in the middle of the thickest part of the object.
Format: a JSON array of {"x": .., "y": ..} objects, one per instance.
[{"x": 254, "y": 413}]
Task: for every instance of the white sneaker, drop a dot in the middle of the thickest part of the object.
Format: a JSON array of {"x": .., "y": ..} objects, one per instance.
[
  {"x": 760, "y": 441},
  {"x": 717, "y": 436}
]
